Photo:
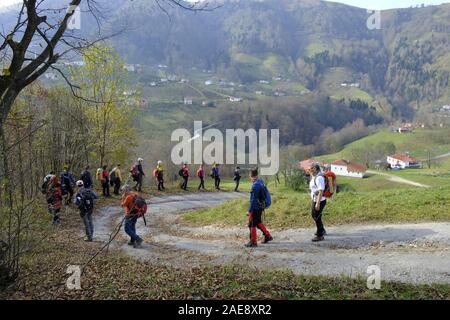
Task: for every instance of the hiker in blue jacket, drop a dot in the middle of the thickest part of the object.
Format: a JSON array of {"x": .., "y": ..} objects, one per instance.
[
  {"x": 216, "y": 176},
  {"x": 255, "y": 211},
  {"x": 67, "y": 184}
]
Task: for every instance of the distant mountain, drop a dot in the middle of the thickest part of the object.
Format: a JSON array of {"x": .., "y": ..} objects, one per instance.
[{"x": 321, "y": 44}]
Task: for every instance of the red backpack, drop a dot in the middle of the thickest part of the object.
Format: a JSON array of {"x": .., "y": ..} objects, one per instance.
[
  {"x": 134, "y": 171},
  {"x": 330, "y": 184}
]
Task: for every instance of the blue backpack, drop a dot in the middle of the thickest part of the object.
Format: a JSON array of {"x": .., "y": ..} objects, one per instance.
[{"x": 265, "y": 199}]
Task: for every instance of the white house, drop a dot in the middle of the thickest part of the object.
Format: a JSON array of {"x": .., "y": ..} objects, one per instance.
[
  {"x": 403, "y": 161},
  {"x": 51, "y": 76},
  {"x": 208, "y": 82},
  {"x": 130, "y": 67},
  {"x": 187, "y": 100},
  {"x": 348, "y": 169},
  {"x": 235, "y": 99}
]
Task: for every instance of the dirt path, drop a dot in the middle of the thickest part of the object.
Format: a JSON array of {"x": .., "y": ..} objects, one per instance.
[
  {"x": 414, "y": 253},
  {"x": 399, "y": 179}
]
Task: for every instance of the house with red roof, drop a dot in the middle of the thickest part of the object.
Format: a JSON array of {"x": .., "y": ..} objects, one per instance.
[
  {"x": 403, "y": 161},
  {"x": 308, "y": 163},
  {"x": 348, "y": 169}
]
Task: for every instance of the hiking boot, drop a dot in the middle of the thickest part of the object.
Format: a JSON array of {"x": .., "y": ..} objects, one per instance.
[
  {"x": 317, "y": 239},
  {"x": 87, "y": 239},
  {"x": 131, "y": 243},
  {"x": 138, "y": 244},
  {"x": 267, "y": 239},
  {"x": 251, "y": 244},
  {"x": 324, "y": 233}
]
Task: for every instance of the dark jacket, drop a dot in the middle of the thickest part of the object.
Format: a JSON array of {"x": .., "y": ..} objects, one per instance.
[
  {"x": 86, "y": 177},
  {"x": 140, "y": 170}
]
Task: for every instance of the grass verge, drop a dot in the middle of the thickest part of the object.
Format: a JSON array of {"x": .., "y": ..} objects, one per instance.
[{"x": 292, "y": 209}]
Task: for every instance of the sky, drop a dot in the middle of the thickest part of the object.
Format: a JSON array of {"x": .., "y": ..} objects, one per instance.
[{"x": 369, "y": 4}]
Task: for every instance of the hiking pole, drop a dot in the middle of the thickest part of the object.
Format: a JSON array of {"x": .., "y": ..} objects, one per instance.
[{"x": 145, "y": 221}]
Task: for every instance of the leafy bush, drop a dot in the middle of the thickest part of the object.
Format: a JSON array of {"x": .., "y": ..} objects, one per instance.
[{"x": 296, "y": 180}]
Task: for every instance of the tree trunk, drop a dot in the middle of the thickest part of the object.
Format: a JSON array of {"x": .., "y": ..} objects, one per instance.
[{"x": 6, "y": 102}]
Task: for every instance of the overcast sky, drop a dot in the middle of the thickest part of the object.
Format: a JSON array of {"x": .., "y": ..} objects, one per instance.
[{"x": 370, "y": 4}]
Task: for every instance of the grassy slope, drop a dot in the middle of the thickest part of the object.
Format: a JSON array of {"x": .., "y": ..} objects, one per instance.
[
  {"x": 292, "y": 209},
  {"x": 416, "y": 143}
]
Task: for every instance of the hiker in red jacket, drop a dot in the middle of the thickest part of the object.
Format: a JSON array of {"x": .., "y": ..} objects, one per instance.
[
  {"x": 185, "y": 176},
  {"x": 54, "y": 198},
  {"x": 201, "y": 176}
]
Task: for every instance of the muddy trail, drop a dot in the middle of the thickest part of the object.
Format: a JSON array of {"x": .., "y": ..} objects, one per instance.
[{"x": 412, "y": 253}]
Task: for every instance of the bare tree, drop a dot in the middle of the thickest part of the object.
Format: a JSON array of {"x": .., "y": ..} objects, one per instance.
[{"x": 40, "y": 37}]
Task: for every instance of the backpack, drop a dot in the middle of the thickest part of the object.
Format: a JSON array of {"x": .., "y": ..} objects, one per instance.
[
  {"x": 134, "y": 171},
  {"x": 265, "y": 199},
  {"x": 86, "y": 201},
  {"x": 139, "y": 205},
  {"x": 330, "y": 184},
  {"x": 181, "y": 172},
  {"x": 65, "y": 180},
  {"x": 198, "y": 173},
  {"x": 155, "y": 173},
  {"x": 44, "y": 187},
  {"x": 98, "y": 173}
]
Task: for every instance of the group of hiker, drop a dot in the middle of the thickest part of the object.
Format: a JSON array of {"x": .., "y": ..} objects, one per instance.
[
  {"x": 214, "y": 174},
  {"x": 59, "y": 189}
]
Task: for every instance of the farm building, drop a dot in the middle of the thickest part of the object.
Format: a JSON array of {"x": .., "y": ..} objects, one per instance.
[
  {"x": 306, "y": 164},
  {"x": 402, "y": 160},
  {"x": 348, "y": 169},
  {"x": 188, "y": 100}
]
